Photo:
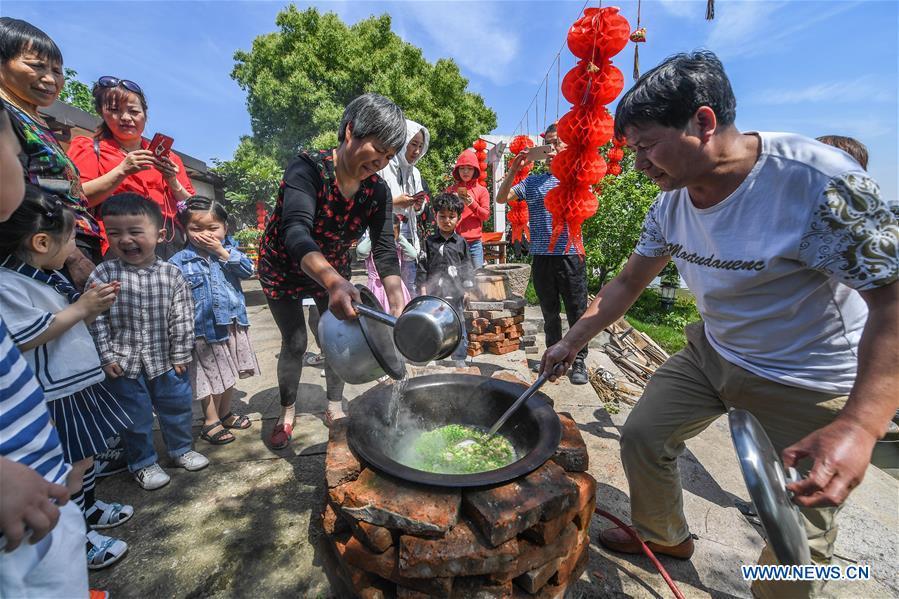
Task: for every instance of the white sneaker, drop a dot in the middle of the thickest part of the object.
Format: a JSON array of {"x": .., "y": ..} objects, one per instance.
[
  {"x": 192, "y": 460},
  {"x": 152, "y": 477}
]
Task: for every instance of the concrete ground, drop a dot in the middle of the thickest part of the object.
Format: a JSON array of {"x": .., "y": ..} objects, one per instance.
[{"x": 248, "y": 524}]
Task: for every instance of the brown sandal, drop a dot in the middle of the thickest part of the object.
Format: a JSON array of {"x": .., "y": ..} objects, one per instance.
[
  {"x": 239, "y": 422},
  {"x": 218, "y": 438}
]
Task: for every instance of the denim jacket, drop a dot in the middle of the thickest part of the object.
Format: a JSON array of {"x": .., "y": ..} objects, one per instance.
[{"x": 215, "y": 285}]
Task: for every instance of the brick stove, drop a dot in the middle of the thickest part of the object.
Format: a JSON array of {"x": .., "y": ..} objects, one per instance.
[{"x": 524, "y": 538}]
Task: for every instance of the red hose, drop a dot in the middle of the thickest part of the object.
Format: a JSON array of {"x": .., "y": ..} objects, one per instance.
[{"x": 646, "y": 550}]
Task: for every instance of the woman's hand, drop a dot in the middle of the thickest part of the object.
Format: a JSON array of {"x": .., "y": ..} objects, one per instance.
[
  {"x": 168, "y": 168},
  {"x": 136, "y": 161},
  {"x": 467, "y": 198},
  {"x": 403, "y": 200},
  {"x": 341, "y": 295}
]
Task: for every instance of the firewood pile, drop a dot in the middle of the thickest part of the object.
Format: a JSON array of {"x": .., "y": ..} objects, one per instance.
[{"x": 636, "y": 355}]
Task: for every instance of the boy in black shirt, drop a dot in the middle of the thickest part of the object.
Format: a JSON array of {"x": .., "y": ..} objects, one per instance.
[{"x": 445, "y": 268}]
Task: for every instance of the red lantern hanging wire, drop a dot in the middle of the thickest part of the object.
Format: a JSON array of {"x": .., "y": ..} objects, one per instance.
[{"x": 595, "y": 38}]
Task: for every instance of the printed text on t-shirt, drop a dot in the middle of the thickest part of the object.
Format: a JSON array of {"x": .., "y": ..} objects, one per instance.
[{"x": 676, "y": 250}]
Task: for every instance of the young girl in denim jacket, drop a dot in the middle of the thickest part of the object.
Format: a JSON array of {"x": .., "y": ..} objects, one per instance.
[{"x": 213, "y": 266}]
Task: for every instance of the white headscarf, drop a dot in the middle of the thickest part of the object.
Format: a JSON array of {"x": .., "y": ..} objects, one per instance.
[{"x": 402, "y": 177}]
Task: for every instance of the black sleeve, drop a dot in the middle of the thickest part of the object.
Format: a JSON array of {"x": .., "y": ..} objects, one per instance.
[
  {"x": 383, "y": 245},
  {"x": 302, "y": 184}
]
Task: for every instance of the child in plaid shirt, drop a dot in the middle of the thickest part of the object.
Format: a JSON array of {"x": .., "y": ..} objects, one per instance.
[{"x": 145, "y": 340}]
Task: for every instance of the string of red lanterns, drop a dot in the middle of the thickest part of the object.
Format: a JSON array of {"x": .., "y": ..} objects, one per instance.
[
  {"x": 518, "y": 210},
  {"x": 595, "y": 38},
  {"x": 480, "y": 151}
]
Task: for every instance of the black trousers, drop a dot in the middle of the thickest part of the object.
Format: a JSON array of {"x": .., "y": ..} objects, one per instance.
[
  {"x": 555, "y": 277},
  {"x": 288, "y": 315}
]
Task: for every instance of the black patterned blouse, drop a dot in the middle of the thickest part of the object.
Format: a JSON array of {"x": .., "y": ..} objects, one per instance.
[{"x": 311, "y": 215}]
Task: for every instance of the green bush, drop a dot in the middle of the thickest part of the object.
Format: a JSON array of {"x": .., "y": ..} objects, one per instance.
[
  {"x": 665, "y": 328},
  {"x": 248, "y": 236}
]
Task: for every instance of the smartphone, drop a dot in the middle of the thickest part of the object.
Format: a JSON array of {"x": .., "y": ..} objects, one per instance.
[
  {"x": 538, "y": 153},
  {"x": 161, "y": 145}
]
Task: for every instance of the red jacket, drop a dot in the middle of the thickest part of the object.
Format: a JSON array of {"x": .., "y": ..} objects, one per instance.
[{"x": 473, "y": 216}]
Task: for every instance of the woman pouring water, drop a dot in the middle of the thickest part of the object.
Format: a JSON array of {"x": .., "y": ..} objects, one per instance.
[{"x": 326, "y": 201}]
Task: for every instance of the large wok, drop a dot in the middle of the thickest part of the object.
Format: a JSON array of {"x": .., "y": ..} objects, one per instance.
[{"x": 436, "y": 400}]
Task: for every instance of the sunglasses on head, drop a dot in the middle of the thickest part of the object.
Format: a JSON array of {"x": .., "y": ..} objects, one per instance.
[{"x": 107, "y": 81}]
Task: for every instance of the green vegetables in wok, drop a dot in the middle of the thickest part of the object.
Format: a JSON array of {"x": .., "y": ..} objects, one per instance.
[{"x": 439, "y": 451}]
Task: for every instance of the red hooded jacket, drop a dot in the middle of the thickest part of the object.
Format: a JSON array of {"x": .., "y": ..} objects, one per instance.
[{"x": 473, "y": 216}]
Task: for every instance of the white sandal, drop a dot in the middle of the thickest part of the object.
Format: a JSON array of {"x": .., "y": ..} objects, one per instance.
[
  {"x": 110, "y": 514},
  {"x": 103, "y": 551}
]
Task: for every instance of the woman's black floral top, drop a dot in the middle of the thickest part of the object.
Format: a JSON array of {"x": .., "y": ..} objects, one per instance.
[{"x": 311, "y": 215}]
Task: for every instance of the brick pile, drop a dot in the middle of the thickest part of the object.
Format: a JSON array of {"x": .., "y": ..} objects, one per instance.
[
  {"x": 525, "y": 538},
  {"x": 497, "y": 327}
]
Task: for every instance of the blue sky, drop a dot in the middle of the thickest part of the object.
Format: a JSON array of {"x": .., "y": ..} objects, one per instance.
[{"x": 811, "y": 67}]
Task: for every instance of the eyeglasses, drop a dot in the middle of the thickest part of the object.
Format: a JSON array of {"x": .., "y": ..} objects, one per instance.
[{"x": 107, "y": 81}]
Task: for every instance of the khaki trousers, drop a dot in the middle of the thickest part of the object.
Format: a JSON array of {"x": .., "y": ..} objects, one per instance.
[{"x": 684, "y": 396}]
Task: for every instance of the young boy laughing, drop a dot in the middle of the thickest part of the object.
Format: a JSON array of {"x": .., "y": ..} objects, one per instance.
[{"x": 145, "y": 340}]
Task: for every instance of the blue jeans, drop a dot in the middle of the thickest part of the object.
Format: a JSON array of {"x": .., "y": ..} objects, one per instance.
[
  {"x": 461, "y": 351},
  {"x": 476, "y": 249},
  {"x": 170, "y": 396},
  {"x": 407, "y": 273}
]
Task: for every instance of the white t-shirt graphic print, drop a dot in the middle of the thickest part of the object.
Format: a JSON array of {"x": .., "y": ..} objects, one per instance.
[{"x": 774, "y": 266}]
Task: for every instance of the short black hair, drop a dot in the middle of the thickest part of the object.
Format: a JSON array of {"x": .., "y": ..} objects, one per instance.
[
  {"x": 550, "y": 129},
  {"x": 850, "y": 145},
  {"x": 131, "y": 204},
  {"x": 41, "y": 211},
  {"x": 671, "y": 93},
  {"x": 449, "y": 202},
  {"x": 18, "y": 36},
  {"x": 198, "y": 203}
]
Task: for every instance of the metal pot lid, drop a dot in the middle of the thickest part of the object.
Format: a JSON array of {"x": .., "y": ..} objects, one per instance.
[
  {"x": 766, "y": 482},
  {"x": 380, "y": 338}
]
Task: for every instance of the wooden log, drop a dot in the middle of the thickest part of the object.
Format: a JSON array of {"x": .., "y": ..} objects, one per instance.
[{"x": 490, "y": 287}]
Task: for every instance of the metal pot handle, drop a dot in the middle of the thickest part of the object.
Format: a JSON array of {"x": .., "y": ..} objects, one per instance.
[{"x": 374, "y": 314}]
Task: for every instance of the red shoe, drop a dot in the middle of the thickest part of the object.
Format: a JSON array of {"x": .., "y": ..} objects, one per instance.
[
  {"x": 96, "y": 594},
  {"x": 281, "y": 436}
]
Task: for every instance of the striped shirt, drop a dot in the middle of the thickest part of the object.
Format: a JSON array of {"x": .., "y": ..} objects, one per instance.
[
  {"x": 533, "y": 190},
  {"x": 150, "y": 327},
  {"x": 26, "y": 434}
]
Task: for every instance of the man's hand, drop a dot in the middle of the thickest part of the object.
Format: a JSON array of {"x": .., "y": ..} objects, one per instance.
[
  {"x": 519, "y": 161},
  {"x": 113, "y": 370},
  {"x": 25, "y": 503},
  {"x": 841, "y": 452},
  {"x": 341, "y": 295},
  {"x": 560, "y": 353},
  {"x": 180, "y": 369}
]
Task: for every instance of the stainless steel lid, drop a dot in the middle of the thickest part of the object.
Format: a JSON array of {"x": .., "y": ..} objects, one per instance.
[
  {"x": 766, "y": 482},
  {"x": 380, "y": 338}
]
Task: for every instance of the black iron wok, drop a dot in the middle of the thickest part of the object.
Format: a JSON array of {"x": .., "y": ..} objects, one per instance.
[{"x": 436, "y": 400}]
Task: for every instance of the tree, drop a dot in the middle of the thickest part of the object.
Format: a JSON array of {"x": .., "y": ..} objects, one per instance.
[
  {"x": 77, "y": 93},
  {"x": 612, "y": 233},
  {"x": 253, "y": 175},
  {"x": 299, "y": 79}
]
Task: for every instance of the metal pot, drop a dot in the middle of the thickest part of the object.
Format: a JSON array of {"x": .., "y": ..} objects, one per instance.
[
  {"x": 360, "y": 350},
  {"x": 436, "y": 400},
  {"x": 428, "y": 329}
]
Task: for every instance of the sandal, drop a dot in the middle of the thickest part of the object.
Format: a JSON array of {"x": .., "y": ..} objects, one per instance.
[
  {"x": 240, "y": 422},
  {"x": 103, "y": 551},
  {"x": 106, "y": 515},
  {"x": 223, "y": 437},
  {"x": 281, "y": 435}
]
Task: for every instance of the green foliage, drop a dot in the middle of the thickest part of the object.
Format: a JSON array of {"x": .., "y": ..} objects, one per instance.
[
  {"x": 252, "y": 175},
  {"x": 299, "y": 79},
  {"x": 612, "y": 233},
  {"x": 77, "y": 93},
  {"x": 248, "y": 236},
  {"x": 666, "y": 328}
]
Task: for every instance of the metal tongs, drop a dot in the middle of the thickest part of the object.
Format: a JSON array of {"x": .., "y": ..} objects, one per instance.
[{"x": 559, "y": 370}]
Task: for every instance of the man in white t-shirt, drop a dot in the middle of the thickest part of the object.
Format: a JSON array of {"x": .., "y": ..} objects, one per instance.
[{"x": 793, "y": 258}]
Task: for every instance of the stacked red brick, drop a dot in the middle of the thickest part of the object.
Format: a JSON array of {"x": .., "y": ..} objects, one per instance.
[
  {"x": 495, "y": 327},
  {"x": 528, "y": 537}
]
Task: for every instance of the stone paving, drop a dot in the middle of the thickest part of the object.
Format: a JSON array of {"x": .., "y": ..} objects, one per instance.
[{"x": 249, "y": 524}]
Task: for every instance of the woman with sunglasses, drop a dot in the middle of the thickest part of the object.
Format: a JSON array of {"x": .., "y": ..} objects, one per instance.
[
  {"x": 117, "y": 158},
  {"x": 31, "y": 78}
]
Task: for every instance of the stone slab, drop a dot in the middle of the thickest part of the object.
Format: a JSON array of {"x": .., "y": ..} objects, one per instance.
[
  {"x": 503, "y": 511},
  {"x": 574, "y": 564},
  {"x": 392, "y": 503},
  {"x": 375, "y": 538},
  {"x": 385, "y": 566},
  {"x": 341, "y": 464},
  {"x": 534, "y": 580},
  {"x": 531, "y": 555},
  {"x": 515, "y": 303},
  {"x": 484, "y": 306},
  {"x": 332, "y": 523},
  {"x": 462, "y": 551},
  {"x": 545, "y": 532},
  {"x": 572, "y": 451}
]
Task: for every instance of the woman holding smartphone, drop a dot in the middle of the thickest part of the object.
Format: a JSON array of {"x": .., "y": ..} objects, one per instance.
[{"x": 118, "y": 159}]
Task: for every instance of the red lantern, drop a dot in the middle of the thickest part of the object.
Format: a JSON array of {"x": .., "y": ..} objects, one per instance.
[
  {"x": 519, "y": 143},
  {"x": 615, "y": 154},
  {"x": 614, "y": 169},
  {"x": 601, "y": 32},
  {"x": 585, "y": 127},
  {"x": 589, "y": 84},
  {"x": 479, "y": 145},
  {"x": 518, "y": 218},
  {"x": 260, "y": 215}
]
